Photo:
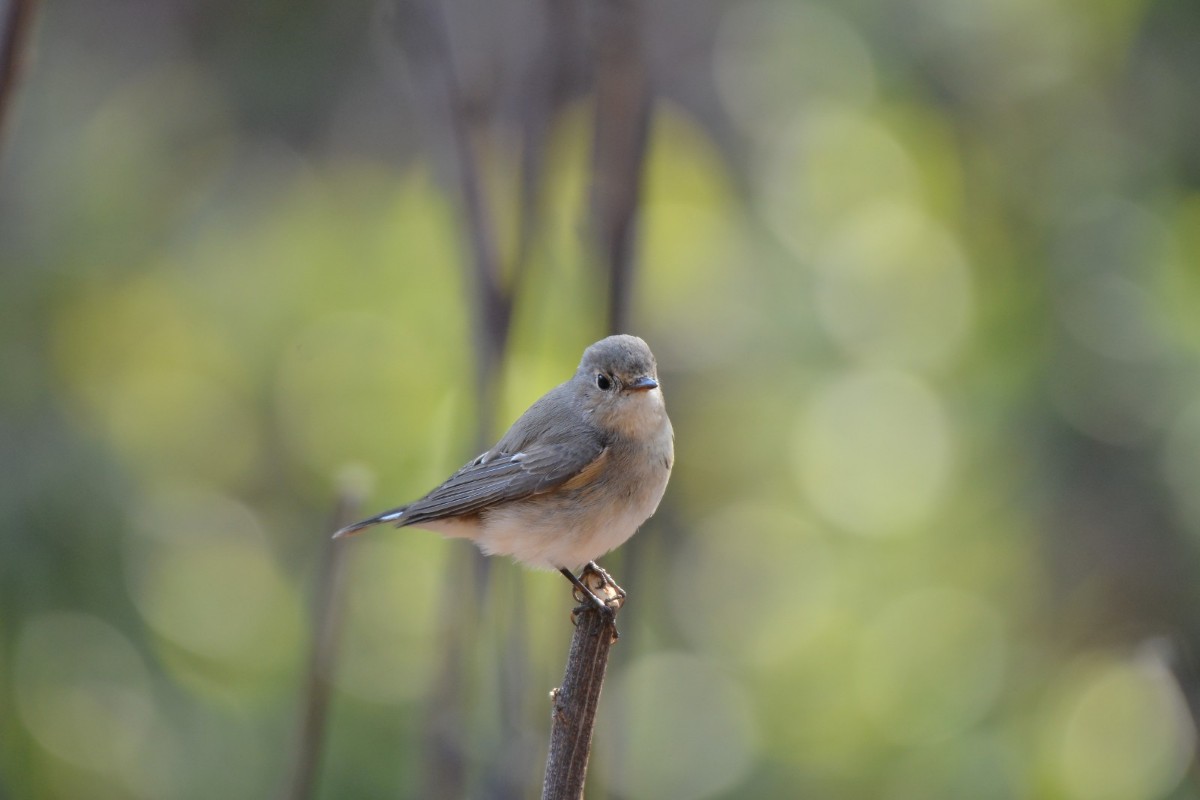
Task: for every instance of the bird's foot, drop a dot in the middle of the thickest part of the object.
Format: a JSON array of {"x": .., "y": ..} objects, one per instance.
[
  {"x": 607, "y": 581},
  {"x": 595, "y": 589}
]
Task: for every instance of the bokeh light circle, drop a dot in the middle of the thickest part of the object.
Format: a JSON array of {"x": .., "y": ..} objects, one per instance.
[
  {"x": 690, "y": 733},
  {"x": 874, "y": 451},
  {"x": 893, "y": 287},
  {"x": 824, "y": 167},
  {"x": 83, "y": 691},
  {"x": 761, "y": 603},
  {"x": 931, "y": 664},
  {"x": 772, "y": 58},
  {"x": 1120, "y": 730},
  {"x": 200, "y": 573}
]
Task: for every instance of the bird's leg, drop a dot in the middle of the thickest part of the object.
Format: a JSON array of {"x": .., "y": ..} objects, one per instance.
[
  {"x": 608, "y": 579},
  {"x": 585, "y": 595}
]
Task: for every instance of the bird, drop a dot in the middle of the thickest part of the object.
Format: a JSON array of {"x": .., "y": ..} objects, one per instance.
[{"x": 573, "y": 478}]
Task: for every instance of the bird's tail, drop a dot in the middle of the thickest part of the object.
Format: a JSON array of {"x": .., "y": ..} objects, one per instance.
[{"x": 388, "y": 516}]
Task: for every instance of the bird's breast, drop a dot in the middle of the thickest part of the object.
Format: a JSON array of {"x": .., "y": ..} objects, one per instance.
[{"x": 591, "y": 514}]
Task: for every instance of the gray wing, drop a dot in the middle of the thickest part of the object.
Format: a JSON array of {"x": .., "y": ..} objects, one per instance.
[
  {"x": 498, "y": 477},
  {"x": 545, "y": 448}
]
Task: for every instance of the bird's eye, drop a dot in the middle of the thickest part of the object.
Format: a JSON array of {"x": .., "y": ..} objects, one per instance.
[{"x": 603, "y": 382}]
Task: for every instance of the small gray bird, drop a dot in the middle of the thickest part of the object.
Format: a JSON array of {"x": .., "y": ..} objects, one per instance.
[{"x": 573, "y": 478}]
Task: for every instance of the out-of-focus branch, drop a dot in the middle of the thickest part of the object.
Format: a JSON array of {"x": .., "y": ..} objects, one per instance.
[
  {"x": 424, "y": 38},
  {"x": 327, "y": 616},
  {"x": 552, "y": 76},
  {"x": 423, "y": 33},
  {"x": 573, "y": 717},
  {"x": 14, "y": 45},
  {"x": 623, "y": 101}
]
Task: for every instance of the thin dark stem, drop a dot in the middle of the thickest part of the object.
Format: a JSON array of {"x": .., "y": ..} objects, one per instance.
[
  {"x": 548, "y": 79},
  {"x": 327, "y": 616},
  {"x": 424, "y": 35},
  {"x": 575, "y": 702},
  {"x": 426, "y": 38},
  {"x": 623, "y": 105},
  {"x": 14, "y": 44}
]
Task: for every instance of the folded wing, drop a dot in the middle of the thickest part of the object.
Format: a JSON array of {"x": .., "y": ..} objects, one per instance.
[{"x": 498, "y": 477}]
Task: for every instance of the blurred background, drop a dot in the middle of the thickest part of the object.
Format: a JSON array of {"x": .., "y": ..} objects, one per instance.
[{"x": 923, "y": 280}]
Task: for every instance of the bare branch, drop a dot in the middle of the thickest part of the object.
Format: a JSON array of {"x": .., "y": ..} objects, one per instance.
[{"x": 575, "y": 702}]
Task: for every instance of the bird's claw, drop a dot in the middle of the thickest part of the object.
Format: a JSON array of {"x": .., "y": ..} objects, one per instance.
[
  {"x": 595, "y": 589},
  {"x": 607, "y": 581}
]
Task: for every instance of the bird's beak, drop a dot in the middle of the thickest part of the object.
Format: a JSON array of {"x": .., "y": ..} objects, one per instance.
[{"x": 642, "y": 384}]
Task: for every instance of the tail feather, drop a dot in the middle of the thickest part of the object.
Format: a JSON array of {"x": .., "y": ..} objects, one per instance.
[{"x": 387, "y": 516}]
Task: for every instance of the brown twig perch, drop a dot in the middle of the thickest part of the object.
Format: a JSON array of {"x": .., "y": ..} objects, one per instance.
[
  {"x": 623, "y": 106},
  {"x": 575, "y": 702}
]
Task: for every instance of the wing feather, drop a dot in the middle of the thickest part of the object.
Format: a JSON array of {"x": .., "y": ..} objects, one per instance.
[{"x": 498, "y": 477}]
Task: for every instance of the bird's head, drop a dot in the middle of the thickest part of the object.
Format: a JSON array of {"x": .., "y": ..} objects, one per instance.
[{"x": 618, "y": 381}]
